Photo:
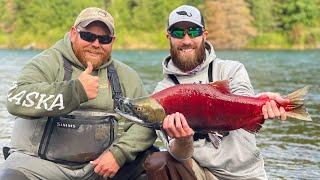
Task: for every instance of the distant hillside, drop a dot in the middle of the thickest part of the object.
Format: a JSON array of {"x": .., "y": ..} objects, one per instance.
[{"x": 141, "y": 24}]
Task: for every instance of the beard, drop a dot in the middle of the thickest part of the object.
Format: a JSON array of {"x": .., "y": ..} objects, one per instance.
[
  {"x": 96, "y": 56},
  {"x": 187, "y": 62}
]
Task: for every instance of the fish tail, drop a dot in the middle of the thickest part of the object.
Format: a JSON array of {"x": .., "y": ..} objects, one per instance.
[{"x": 297, "y": 108}]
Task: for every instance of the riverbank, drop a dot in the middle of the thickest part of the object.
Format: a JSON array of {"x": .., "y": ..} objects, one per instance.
[
  {"x": 158, "y": 41},
  {"x": 150, "y": 47}
]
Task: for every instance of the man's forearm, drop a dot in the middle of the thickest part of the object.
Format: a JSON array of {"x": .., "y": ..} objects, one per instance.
[{"x": 182, "y": 148}]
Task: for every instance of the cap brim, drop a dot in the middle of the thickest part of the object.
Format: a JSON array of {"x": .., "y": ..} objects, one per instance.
[
  {"x": 185, "y": 20},
  {"x": 85, "y": 23}
]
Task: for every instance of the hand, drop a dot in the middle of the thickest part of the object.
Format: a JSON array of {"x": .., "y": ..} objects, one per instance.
[
  {"x": 90, "y": 83},
  {"x": 271, "y": 110},
  {"x": 176, "y": 126},
  {"x": 105, "y": 165}
]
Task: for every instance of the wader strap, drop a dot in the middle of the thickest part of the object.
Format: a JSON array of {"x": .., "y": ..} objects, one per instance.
[
  {"x": 115, "y": 85},
  {"x": 210, "y": 72},
  {"x": 67, "y": 69},
  {"x": 176, "y": 81},
  {"x": 116, "y": 93},
  {"x": 45, "y": 137},
  {"x": 5, "y": 151},
  {"x": 112, "y": 76}
]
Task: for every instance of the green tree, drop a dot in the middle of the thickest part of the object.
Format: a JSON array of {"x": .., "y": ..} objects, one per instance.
[
  {"x": 7, "y": 16},
  {"x": 262, "y": 11},
  {"x": 292, "y": 12},
  {"x": 300, "y": 19},
  {"x": 143, "y": 22},
  {"x": 42, "y": 22}
]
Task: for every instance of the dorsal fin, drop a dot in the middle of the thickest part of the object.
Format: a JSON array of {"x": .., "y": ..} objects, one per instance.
[{"x": 222, "y": 86}]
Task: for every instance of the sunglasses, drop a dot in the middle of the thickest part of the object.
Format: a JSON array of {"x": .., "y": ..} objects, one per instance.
[
  {"x": 179, "y": 33},
  {"x": 90, "y": 37}
]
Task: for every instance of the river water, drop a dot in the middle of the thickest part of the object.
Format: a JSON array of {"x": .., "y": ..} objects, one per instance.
[{"x": 291, "y": 149}]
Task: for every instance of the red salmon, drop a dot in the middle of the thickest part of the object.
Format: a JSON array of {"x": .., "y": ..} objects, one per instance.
[{"x": 209, "y": 107}]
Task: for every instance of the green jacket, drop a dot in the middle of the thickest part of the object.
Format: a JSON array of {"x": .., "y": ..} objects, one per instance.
[{"x": 41, "y": 92}]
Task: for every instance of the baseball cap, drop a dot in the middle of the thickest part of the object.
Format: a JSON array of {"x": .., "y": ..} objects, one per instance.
[
  {"x": 91, "y": 14},
  {"x": 186, "y": 13}
]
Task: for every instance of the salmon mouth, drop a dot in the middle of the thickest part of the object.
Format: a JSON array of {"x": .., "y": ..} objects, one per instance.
[
  {"x": 137, "y": 120},
  {"x": 127, "y": 111}
]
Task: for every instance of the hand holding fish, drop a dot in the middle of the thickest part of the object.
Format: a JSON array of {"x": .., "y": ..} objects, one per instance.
[
  {"x": 270, "y": 110},
  {"x": 176, "y": 126}
]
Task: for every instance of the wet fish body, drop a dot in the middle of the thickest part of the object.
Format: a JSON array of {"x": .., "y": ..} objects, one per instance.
[{"x": 209, "y": 107}]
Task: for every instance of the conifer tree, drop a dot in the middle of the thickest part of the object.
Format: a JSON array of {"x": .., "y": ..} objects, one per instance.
[{"x": 229, "y": 23}]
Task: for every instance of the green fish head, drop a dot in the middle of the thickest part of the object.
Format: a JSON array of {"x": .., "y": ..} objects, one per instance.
[{"x": 148, "y": 109}]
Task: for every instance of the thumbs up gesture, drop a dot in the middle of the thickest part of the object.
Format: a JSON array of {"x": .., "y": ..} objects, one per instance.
[{"x": 90, "y": 83}]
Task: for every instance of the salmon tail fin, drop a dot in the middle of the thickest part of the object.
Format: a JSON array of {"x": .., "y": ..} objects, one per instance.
[
  {"x": 300, "y": 114},
  {"x": 298, "y": 110}
]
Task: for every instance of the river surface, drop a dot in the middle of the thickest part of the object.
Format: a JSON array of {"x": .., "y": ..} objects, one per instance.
[{"x": 291, "y": 149}]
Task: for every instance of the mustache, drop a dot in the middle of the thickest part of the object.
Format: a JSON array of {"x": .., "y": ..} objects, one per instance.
[
  {"x": 186, "y": 47},
  {"x": 95, "y": 51}
]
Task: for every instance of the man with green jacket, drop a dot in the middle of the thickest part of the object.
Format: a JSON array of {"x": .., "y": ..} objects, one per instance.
[{"x": 65, "y": 126}]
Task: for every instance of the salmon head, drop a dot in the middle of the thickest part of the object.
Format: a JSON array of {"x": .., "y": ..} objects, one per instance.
[{"x": 144, "y": 110}]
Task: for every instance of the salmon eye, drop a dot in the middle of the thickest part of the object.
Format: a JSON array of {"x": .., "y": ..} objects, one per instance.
[{"x": 138, "y": 108}]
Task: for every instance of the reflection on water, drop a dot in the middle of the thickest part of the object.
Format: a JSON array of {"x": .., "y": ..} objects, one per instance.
[{"x": 291, "y": 149}]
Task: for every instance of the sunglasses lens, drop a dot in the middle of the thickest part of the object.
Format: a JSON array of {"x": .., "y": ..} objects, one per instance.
[
  {"x": 105, "y": 39},
  {"x": 90, "y": 37},
  {"x": 87, "y": 36},
  {"x": 194, "y": 32},
  {"x": 177, "y": 33}
]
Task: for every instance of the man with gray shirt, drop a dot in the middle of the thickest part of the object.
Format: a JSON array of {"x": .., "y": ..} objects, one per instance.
[{"x": 219, "y": 155}]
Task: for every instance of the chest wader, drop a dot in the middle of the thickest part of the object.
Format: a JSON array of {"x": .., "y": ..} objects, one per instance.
[{"x": 82, "y": 135}]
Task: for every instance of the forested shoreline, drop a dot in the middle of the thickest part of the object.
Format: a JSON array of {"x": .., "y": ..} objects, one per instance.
[{"x": 141, "y": 24}]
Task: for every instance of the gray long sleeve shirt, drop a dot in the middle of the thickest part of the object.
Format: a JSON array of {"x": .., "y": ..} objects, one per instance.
[{"x": 237, "y": 157}]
